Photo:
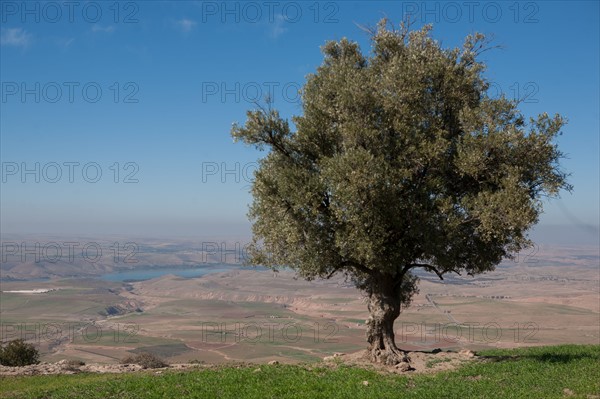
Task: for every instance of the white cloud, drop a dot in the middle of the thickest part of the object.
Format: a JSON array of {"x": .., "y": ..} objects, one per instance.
[
  {"x": 64, "y": 43},
  {"x": 277, "y": 28},
  {"x": 186, "y": 25},
  {"x": 17, "y": 37},
  {"x": 105, "y": 29}
]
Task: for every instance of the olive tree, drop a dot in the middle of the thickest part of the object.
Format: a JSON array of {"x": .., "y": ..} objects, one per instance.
[{"x": 400, "y": 160}]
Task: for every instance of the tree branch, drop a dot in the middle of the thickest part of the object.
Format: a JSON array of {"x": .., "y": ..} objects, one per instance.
[
  {"x": 334, "y": 271},
  {"x": 357, "y": 266},
  {"x": 430, "y": 268},
  {"x": 349, "y": 263}
]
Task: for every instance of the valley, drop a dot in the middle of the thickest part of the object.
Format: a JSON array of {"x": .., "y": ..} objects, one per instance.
[{"x": 230, "y": 312}]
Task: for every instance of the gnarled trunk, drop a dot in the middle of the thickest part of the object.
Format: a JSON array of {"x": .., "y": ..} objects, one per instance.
[{"x": 384, "y": 307}]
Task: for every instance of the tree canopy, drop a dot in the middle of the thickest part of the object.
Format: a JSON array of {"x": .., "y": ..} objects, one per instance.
[{"x": 399, "y": 160}]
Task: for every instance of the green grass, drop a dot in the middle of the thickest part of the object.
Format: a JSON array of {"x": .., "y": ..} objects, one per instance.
[{"x": 542, "y": 372}]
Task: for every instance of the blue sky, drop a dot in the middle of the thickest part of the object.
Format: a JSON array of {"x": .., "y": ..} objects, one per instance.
[{"x": 150, "y": 89}]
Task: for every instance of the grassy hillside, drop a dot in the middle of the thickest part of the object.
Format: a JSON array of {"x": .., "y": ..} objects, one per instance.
[{"x": 543, "y": 372}]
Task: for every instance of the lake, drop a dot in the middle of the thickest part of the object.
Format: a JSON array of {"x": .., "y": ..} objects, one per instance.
[{"x": 150, "y": 273}]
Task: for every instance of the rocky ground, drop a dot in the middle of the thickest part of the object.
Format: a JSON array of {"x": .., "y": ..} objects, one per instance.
[
  {"x": 420, "y": 362},
  {"x": 66, "y": 367}
]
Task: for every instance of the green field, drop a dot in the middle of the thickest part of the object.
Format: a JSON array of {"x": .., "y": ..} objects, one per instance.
[{"x": 541, "y": 372}]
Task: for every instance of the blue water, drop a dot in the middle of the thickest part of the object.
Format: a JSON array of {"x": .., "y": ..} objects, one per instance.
[{"x": 147, "y": 274}]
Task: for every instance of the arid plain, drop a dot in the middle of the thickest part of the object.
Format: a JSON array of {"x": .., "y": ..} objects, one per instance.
[{"x": 548, "y": 296}]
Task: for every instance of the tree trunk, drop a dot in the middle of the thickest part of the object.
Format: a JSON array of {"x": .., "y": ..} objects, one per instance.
[{"x": 384, "y": 307}]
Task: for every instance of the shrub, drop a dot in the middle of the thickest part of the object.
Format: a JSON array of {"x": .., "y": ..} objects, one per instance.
[
  {"x": 18, "y": 353},
  {"x": 146, "y": 360}
]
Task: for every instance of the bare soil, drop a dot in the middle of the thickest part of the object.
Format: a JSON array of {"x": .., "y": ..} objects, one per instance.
[{"x": 420, "y": 362}]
